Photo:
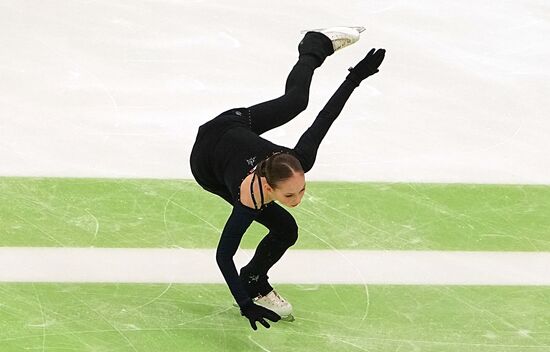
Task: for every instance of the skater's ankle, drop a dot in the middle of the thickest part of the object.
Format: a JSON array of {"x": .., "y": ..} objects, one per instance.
[
  {"x": 264, "y": 292},
  {"x": 317, "y": 46},
  {"x": 317, "y": 42}
]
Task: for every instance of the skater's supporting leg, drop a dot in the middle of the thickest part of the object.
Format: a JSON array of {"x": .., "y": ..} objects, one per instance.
[
  {"x": 313, "y": 50},
  {"x": 283, "y": 233}
]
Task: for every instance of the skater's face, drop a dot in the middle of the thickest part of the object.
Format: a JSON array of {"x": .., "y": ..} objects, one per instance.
[{"x": 290, "y": 191}]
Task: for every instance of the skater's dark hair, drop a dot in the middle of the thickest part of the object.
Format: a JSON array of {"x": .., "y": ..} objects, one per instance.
[{"x": 278, "y": 167}]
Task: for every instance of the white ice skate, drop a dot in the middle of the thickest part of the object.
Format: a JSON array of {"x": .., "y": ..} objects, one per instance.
[
  {"x": 340, "y": 36},
  {"x": 276, "y": 303}
]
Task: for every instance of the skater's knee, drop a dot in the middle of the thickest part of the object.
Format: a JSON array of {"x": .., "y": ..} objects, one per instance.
[
  {"x": 297, "y": 103},
  {"x": 291, "y": 233},
  {"x": 286, "y": 234},
  {"x": 301, "y": 102},
  {"x": 292, "y": 238}
]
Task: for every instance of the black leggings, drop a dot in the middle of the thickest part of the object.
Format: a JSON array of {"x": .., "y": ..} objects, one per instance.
[
  {"x": 274, "y": 113},
  {"x": 283, "y": 233}
]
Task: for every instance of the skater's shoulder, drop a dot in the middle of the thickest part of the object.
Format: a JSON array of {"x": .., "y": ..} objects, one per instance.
[{"x": 245, "y": 196}]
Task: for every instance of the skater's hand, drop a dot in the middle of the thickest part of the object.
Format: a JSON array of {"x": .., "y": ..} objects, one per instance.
[
  {"x": 368, "y": 66},
  {"x": 256, "y": 313}
]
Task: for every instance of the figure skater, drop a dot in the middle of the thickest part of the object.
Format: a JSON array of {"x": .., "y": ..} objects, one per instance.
[{"x": 231, "y": 160}]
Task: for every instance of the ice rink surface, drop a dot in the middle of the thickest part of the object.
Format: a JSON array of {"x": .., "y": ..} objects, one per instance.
[
  {"x": 429, "y": 295},
  {"x": 119, "y": 88}
]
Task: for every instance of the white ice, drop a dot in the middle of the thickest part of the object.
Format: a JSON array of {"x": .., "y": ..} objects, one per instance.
[
  {"x": 160, "y": 265},
  {"x": 118, "y": 89}
]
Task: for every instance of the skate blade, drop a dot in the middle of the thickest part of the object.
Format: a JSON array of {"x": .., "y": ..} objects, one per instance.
[
  {"x": 288, "y": 318},
  {"x": 359, "y": 29}
]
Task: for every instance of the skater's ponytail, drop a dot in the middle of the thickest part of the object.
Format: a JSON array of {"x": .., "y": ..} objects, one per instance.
[{"x": 278, "y": 167}]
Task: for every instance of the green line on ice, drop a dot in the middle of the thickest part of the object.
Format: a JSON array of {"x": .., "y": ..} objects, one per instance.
[{"x": 72, "y": 212}]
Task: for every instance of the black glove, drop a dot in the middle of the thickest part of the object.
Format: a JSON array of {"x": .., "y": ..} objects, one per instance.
[
  {"x": 256, "y": 313},
  {"x": 366, "y": 67}
]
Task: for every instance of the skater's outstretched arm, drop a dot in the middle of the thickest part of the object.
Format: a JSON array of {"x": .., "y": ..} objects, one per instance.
[{"x": 308, "y": 144}]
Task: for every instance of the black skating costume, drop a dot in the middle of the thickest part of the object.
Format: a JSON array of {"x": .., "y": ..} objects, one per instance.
[{"x": 228, "y": 148}]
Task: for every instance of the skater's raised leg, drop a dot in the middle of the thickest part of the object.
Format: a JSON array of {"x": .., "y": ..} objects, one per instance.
[{"x": 313, "y": 50}]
